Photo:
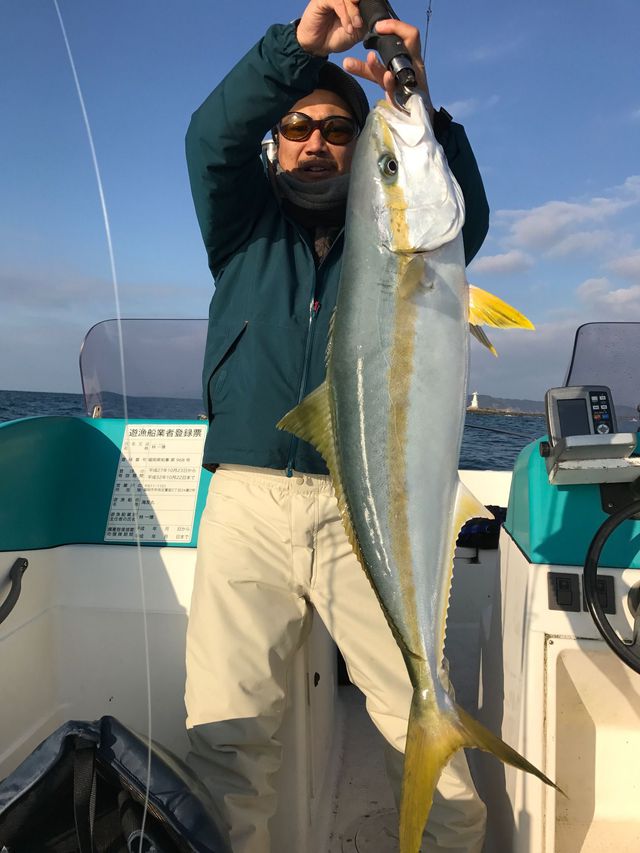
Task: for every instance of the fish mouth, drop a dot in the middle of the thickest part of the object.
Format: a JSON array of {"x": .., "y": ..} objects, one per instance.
[{"x": 405, "y": 123}]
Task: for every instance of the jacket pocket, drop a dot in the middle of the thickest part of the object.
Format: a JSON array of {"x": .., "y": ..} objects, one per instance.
[{"x": 221, "y": 343}]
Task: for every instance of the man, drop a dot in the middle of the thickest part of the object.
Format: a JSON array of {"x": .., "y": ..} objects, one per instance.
[{"x": 271, "y": 541}]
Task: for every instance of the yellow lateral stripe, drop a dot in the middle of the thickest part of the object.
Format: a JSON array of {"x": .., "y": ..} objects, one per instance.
[
  {"x": 490, "y": 310},
  {"x": 399, "y": 381}
]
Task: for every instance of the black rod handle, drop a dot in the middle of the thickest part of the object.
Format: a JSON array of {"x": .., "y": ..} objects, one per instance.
[
  {"x": 15, "y": 575},
  {"x": 391, "y": 49}
]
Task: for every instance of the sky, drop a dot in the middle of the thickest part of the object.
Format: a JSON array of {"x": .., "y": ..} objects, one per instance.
[{"x": 548, "y": 93}]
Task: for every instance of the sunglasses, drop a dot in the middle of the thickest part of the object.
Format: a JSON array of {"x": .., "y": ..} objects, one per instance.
[{"x": 337, "y": 130}]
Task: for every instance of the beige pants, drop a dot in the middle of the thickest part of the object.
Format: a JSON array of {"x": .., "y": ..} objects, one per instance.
[{"x": 269, "y": 547}]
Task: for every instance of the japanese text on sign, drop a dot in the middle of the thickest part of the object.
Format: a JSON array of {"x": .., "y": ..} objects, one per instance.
[{"x": 156, "y": 484}]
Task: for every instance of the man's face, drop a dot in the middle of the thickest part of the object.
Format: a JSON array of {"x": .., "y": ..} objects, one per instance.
[{"x": 315, "y": 159}]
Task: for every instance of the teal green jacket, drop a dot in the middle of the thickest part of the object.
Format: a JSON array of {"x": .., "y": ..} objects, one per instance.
[{"x": 269, "y": 316}]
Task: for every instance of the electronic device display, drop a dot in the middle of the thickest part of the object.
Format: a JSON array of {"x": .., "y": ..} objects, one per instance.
[{"x": 579, "y": 410}]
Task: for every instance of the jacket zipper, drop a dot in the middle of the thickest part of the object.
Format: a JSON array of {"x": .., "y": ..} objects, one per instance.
[{"x": 313, "y": 313}]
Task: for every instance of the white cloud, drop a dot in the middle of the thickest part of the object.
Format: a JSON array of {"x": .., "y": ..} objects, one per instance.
[
  {"x": 469, "y": 106},
  {"x": 546, "y": 226},
  {"x": 593, "y": 288},
  {"x": 627, "y": 266},
  {"x": 583, "y": 242},
  {"x": 495, "y": 50},
  {"x": 504, "y": 264},
  {"x": 34, "y": 293},
  {"x": 606, "y": 302},
  {"x": 560, "y": 228}
]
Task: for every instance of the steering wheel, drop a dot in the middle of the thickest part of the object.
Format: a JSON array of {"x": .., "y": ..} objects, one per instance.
[{"x": 629, "y": 653}]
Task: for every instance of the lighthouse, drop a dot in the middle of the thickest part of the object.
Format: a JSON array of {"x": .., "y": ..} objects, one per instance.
[{"x": 474, "y": 400}]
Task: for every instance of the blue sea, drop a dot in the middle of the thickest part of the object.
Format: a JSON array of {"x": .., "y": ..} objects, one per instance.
[{"x": 490, "y": 441}]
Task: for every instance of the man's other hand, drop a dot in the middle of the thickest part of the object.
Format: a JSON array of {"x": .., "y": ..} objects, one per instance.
[{"x": 330, "y": 26}]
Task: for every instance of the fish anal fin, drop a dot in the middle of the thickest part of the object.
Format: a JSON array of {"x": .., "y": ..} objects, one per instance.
[
  {"x": 467, "y": 506},
  {"x": 489, "y": 310}
]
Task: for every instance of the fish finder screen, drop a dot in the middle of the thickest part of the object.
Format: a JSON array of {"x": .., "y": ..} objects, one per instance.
[{"x": 574, "y": 417}]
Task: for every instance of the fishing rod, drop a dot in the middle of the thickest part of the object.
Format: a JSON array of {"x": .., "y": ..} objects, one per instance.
[{"x": 391, "y": 49}]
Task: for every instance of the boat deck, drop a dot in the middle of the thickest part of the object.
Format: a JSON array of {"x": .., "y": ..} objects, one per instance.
[{"x": 364, "y": 813}]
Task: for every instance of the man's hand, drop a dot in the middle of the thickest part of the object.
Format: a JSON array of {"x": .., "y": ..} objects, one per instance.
[
  {"x": 330, "y": 26},
  {"x": 376, "y": 72}
]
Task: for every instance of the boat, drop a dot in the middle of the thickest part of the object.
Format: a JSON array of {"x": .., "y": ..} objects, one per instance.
[{"x": 526, "y": 656}]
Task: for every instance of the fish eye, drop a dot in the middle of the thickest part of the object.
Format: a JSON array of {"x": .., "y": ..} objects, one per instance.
[{"x": 388, "y": 166}]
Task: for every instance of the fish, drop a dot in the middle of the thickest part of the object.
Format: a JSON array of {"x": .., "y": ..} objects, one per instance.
[{"x": 389, "y": 417}]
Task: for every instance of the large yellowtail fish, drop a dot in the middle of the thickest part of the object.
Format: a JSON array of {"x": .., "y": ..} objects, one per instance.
[{"x": 389, "y": 418}]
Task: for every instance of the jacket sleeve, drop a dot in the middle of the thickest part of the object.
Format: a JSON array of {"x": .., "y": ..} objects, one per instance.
[
  {"x": 463, "y": 165},
  {"x": 223, "y": 144}
]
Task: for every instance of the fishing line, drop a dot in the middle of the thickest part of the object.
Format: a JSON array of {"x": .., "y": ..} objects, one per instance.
[
  {"x": 116, "y": 294},
  {"x": 495, "y": 429},
  {"x": 426, "y": 34}
]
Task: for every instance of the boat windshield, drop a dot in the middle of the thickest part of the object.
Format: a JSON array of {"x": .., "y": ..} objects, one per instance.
[
  {"x": 609, "y": 354},
  {"x": 162, "y": 366}
]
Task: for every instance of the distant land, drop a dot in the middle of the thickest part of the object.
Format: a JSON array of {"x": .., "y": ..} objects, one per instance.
[
  {"x": 488, "y": 405},
  {"x": 500, "y": 405}
]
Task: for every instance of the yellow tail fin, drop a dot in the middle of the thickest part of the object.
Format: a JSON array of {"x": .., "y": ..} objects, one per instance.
[{"x": 432, "y": 738}]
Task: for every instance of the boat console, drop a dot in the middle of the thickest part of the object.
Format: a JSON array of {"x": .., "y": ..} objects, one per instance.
[{"x": 565, "y": 625}]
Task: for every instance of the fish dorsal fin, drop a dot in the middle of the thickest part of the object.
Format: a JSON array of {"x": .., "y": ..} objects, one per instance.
[
  {"x": 332, "y": 322},
  {"x": 479, "y": 334},
  {"x": 489, "y": 310},
  {"x": 312, "y": 421}
]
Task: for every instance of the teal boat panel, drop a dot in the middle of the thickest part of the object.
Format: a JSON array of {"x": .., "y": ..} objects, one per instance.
[
  {"x": 554, "y": 525},
  {"x": 57, "y": 476}
]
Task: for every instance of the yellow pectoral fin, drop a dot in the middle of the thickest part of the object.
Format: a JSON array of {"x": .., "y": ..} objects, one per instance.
[{"x": 487, "y": 309}]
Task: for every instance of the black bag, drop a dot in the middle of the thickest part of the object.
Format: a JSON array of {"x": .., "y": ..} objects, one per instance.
[{"x": 83, "y": 790}]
